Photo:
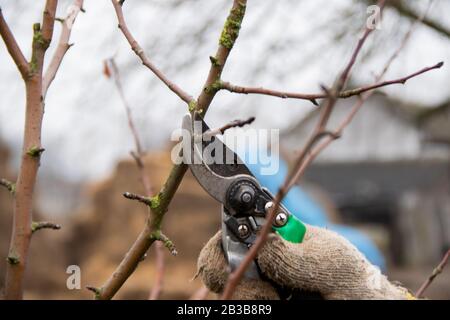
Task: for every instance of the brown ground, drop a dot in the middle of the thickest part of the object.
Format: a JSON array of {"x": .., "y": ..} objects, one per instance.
[{"x": 102, "y": 231}]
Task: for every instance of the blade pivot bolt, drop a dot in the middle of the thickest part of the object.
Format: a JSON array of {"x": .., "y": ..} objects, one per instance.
[
  {"x": 280, "y": 219},
  {"x": 243, "y": 230}
]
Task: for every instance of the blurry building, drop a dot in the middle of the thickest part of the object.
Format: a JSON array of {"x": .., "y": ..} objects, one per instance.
[{"x": 389, "y": 171}]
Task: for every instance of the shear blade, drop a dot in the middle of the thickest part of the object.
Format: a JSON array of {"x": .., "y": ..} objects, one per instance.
[{"x": 213, "y": 164}]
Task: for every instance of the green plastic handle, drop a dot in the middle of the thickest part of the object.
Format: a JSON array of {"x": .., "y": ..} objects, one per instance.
[{"x": 293, "y": 231}]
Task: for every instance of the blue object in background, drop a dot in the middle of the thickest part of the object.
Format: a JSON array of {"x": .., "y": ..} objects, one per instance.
[{"x": 310, "y": 212}]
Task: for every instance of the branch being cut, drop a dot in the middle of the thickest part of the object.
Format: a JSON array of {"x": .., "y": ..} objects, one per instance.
[
  {"x": 437, "y": 271},
  {"x": 233, "y": 124},
  {"x": 227, "y": 39},
  {"x": 63, "y": 44},
  {"x": 141, "y": 54}
]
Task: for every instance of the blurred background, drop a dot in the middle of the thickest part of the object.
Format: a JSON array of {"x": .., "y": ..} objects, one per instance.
[{"x": 389, "y": 175}]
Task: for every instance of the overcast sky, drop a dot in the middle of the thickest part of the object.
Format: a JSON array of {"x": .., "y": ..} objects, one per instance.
[{"x": 292, "y": 45}]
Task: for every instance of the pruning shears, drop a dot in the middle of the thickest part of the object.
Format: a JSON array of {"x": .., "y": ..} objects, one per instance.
[{"x": 245, "y": 203}]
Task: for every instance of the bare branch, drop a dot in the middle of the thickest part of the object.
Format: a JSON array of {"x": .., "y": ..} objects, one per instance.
[
  {"x": 13, "y": 47},
  {"x": 313, "y": 97},
  {"x": 95, "y": 290},
  {"x": 433, "y": 275},
  {"x": 31, "y": 150},
  {"x": 143, "y": 242},
  {"x": 158, "y": 235},
  {"x": 10, "y": 186},
  {"x": 36, "y": 226},
  {"x": 228, "y": 37},
  {"x": 141, "y": 54},
  {"x": 145, "y": 200},
  {"x": 63, "y": 44},
  {"x": 235, "y": 277},
  {"x": 338, "y": 132},
  {"x": 363, "y": 98},
  {"x": 111, "y": 70},
  {"x": 408, "y": 12},
  {"x": 233, "y": 124}
]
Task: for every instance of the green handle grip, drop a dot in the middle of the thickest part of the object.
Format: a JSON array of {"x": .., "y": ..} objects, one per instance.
[{"x": 293, "y": 231}]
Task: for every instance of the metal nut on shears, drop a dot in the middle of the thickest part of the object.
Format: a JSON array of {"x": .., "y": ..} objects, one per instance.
[
  {"x": 243, "y": 230},
  {"x": 281, "y": 219}
]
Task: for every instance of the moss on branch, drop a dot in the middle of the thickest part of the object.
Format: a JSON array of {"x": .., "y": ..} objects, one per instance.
[{"x": 232, "y": 25}]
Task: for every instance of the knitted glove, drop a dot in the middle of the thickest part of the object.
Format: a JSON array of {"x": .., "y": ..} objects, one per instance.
[{"x": 324, "y": 263}]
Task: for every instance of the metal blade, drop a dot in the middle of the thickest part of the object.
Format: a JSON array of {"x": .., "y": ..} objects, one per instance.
[
  {"x": 211, "y": 170},
  {"x": 229, "y": 164}
]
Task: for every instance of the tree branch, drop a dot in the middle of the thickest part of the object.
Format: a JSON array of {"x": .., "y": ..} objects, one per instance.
[
  {"x": 141, "y": 54},
  {"x": 31, "y": 151},
  {"x": 406, "y": 11},
  {"x": 434, "y": 274},
  {"x": 112, "y": 70},
  {"x": 13, "y": 48},
  {"x": 228, "y": 37},
  {"x": 363, "y": 98},
  {"x": 159, "y": 236},
  {"x": 36, "y": 226},
  {"x": 313, "y": 97},
  {"x": 10, "y": 186},
  {"x": 145, "y": 200},
  {"x": 233, "y": 124},
  {"x": 63, "y": 44},
  {"x": 236, "y": 276},
  {"x": 144, "y": 241}
]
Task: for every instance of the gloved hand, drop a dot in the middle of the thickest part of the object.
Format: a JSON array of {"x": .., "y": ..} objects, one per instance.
[{"x": 324, "y": 263}]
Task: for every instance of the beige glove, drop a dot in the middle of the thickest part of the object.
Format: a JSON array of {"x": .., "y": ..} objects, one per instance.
[{"x": 324, "y": 263}]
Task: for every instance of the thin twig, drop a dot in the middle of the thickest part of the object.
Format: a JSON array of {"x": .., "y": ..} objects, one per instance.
[
  {"x": 36, "y": 226},
  {"x": 13, "y": 48},
  {"x": 143, "y": 242},
  {"x": 95, "y": 290},
  {"x": 112, "y": 69},
  {"x": 141, "y": 54},
  {"x": 158, "y": 235},
  {"x": 63, "y": 44},
  {"x": 363, "y": 98},
  {"x": 313, "y": 97},
  {"x": 338, "y": 132},
  {"x": 235, "y": 277},
  {"x": 145, "y": 200},
  {"x": 10, "y": 186},
  {"x": 405, "y": 10},
  {"x": 433, "y": 275},
  {"x": 233, "y": 124}
]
